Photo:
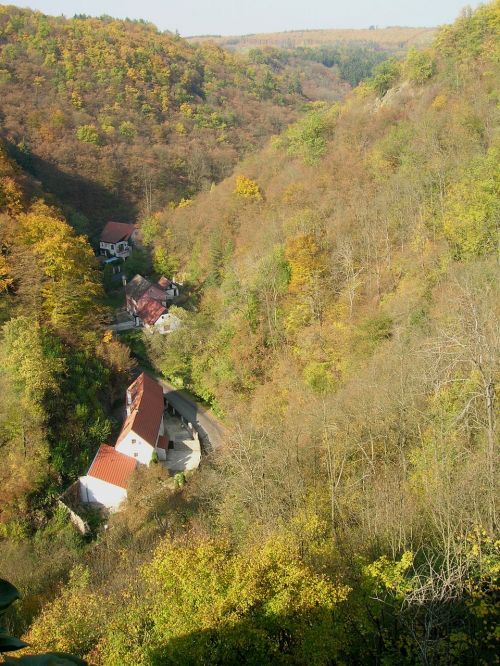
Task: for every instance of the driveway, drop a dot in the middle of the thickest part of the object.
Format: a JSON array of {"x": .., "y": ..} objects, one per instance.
[{"x": 210, "y": 429}]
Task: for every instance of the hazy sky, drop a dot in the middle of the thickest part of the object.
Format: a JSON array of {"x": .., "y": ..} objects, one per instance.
[{"x": 196, "y": 17}]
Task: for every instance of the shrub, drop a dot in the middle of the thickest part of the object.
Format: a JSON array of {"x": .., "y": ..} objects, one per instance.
[{"x": 127, "y": 129}]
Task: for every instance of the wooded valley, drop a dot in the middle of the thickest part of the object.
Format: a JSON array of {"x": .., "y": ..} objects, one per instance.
[{"x": 337, "y": 243}]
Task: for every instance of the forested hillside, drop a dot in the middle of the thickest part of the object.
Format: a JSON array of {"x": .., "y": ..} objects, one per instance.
[
  {"x": 120, "y": 117},
  {"x": 342, "y": 315},
  {"x": 390, "y": 38},
  {"x": 315, "y": 56},
  {"x": 59, "y": 375}
]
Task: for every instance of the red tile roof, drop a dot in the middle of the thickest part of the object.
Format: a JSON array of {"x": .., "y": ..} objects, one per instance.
[
  {"x": 155, "y": 292},
  {"x": 114, "y": 232},
  {"x": 150, "y": 311},
  {"x": 137, "y": 287},
  {"x": 164, "y": 282},
  {"x": 146, "y": 409},
  {"x": 111, "y": 466}
]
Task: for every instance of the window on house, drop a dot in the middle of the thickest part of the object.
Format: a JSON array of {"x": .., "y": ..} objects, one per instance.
[
  {"x": 136, "y": 455},
  {"x": 134, "y": 441}
]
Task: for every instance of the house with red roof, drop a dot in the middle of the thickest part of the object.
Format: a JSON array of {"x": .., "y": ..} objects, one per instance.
[
  {"x": 143, "y": 431},
  {"x": 116, "y": 239},
  {"x": 147, "y": 430},
  {"x": 147, "y": 303},
  {"x": 139, "y": 291},
  {"x": 107, "y": 480},
  {"x": 155, "y": 317}
]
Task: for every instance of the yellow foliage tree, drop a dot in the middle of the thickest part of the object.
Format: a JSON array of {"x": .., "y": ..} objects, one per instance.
[
  {"x": 5, "y": 276},
  {"x": 73, "y": 621},
  {"x": 471, "y": 220},
  {"x": 247, "y": 188},
  {"x": 205, "y": 602},
  {"x": 306, "y": 262},
  {"x": 71, "y": 286}
]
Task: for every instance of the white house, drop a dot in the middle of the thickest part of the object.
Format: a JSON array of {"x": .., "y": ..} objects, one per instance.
[
  {"x": 143, "y": 427},
  {"x": 107, "y": 480},
  {"x": 117, "y": 238}
]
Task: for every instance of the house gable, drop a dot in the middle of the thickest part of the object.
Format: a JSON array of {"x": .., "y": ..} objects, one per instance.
[
  {"x": 108, "y": 478},
  {"x": 97, "y": 491},
  {"x": 136, "y": 448}
]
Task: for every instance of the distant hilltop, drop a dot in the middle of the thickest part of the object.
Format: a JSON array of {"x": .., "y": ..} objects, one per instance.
[{"x": 391, "y": 38}]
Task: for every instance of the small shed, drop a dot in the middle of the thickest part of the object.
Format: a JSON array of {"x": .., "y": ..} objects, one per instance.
[{"x": 108, "y": 478}]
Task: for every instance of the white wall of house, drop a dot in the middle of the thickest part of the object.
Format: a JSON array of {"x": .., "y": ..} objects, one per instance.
[
  {"x": 115, "y": 249},
  {"x": 173, "y": 322},
  {"x": 110, "y": 247},
  {"x": 135, "y": 447},
  {"x": 161, "y": 324},
  {"x": 165, "y": 324},
  {"x": 94, "y": 490}
]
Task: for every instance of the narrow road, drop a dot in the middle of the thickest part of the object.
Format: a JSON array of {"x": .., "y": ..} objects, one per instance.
[{"x": 210, "y": 429}]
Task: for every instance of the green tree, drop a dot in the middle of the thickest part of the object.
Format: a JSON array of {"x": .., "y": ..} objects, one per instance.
[
  {"x": 88, "y": 134},
  {"x": 308, "y": 137},
  {"x": 164, "y": 262},
  {"x": 384, "y": 76},
  {"x": 419, "y": 66},
  {"x": 471, "y": 217}
]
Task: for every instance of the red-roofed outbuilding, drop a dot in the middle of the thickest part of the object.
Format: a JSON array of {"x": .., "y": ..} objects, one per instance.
[{"x": 108, "y": 478}]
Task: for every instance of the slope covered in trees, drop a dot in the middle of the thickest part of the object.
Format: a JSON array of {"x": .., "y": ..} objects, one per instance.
[
  {"x": 344, "y": 317},
  {"x": 59, "y": 375},
  {"x": 118, "y": 117},
  {"x": 316, "y": 57}
]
